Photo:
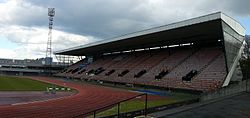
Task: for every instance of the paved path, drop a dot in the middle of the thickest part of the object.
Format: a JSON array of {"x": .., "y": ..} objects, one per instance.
[{"x": 233, "y": 107}]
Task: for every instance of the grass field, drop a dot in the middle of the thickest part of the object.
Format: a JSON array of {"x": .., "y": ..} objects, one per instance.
[
  {"x": 134, "y": 105},
  {"x": 9, "y": 83}
]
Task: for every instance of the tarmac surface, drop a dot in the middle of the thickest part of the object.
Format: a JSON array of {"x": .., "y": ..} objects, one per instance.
[{"x": 234, "y": 107}]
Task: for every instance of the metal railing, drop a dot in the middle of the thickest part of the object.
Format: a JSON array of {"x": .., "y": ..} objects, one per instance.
[{"x": 94, "y": 112}]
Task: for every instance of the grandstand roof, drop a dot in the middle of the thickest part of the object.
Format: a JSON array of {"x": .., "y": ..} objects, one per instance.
[{"x": 201, "y": 29}]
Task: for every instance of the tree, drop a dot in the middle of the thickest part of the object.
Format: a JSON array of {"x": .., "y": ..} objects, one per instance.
[
  {"x": 245, "y": 67},
  {"x": 245, "y": 60}
]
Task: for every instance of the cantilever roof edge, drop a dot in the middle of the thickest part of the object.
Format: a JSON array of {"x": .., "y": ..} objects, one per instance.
[{"x": 214, "y": 16}]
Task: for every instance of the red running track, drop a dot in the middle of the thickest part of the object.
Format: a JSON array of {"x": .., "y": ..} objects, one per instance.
[{"x": 88, "y": 98}]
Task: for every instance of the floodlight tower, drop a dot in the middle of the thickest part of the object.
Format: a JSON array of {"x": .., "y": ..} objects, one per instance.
[{"x": 51, "y": 14}]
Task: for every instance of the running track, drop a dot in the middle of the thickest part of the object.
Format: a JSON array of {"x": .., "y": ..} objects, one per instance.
[{"x": 88, "y": 98}]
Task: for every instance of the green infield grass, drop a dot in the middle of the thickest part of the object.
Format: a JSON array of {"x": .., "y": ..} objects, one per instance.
[{"x": 11, "y": 83}]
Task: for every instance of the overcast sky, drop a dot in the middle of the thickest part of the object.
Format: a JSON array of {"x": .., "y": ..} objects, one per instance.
[{"x": 24, "y": 23}]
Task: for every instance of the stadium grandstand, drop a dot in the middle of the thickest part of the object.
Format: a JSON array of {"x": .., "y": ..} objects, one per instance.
[
  {"x": 27, "y": 67},
  {"x": 199, "y": 54}
]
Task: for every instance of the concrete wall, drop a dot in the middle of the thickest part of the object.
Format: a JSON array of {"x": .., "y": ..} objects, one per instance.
[
  {"x": 230, "y": 90},
  {"x": 248, "y": 85}
]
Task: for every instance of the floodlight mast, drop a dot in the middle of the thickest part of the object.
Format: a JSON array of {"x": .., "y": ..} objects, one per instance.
[
  {"x": 51, "y": 14},
  {"x": 48, "y": 58}
]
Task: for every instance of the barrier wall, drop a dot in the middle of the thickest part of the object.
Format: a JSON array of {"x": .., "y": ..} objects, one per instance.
[{"x": 230, "y": 90}]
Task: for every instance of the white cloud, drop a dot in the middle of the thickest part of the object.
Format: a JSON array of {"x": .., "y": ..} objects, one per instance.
[
  {"x": 17, "y": 23},
  {"x": 32, "y": 40},
  {"x": 6, "y": 53},
  {"x": 24, "y": 22},
  {"x": 18, "y": 11}
]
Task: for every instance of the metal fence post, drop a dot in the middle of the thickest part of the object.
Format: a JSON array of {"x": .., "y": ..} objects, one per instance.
[
  {"x": 118, "y": 110},
  {"x": 246, "y": 81},
  {"x": 146, "y": 104}
]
